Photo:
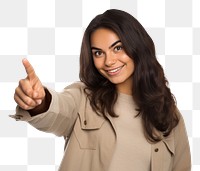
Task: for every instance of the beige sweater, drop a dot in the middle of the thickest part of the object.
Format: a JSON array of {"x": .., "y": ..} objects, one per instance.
[
  {"x": 132, "y": 151},
  {"x": 94, "y": 140}
]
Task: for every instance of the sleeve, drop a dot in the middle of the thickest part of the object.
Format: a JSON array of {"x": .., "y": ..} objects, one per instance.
[
  {"x": 182, "y": 158},
  {"x": 61, "y": 115}
]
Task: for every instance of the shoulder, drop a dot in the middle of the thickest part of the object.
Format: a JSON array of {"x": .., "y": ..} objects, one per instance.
[
  {"x": 75, "y": 90},
  {"x": 75, "y": 87}
]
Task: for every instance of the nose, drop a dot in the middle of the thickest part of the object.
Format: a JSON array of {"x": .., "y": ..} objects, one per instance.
[{"x": 110, "y": 60}]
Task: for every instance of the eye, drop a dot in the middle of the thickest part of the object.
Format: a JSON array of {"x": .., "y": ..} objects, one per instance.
[
  {"x": 118, "y": 48},
  {"x": 98, "y": 53}
]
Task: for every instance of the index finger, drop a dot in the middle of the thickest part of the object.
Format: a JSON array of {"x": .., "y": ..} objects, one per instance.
[{"x": 29, "y": 68}]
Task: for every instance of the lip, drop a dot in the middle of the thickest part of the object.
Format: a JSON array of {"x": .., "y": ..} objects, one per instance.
[{"x": 114, "y": 71}]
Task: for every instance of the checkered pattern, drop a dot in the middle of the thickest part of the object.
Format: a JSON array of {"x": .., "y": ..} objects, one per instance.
[{"x": 49, "y": 34}]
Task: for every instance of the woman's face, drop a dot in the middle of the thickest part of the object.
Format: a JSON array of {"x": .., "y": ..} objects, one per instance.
[{"x": 110, "y": 58}]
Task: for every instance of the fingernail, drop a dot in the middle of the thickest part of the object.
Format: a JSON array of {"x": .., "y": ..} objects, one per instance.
[{"x": 39, "y": 102}]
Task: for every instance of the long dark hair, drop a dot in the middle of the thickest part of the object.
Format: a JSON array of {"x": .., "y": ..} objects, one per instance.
[{"x": 156, "y": 104}]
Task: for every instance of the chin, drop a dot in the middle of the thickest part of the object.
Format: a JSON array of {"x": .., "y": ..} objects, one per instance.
[{"x": 116, "y": 81}]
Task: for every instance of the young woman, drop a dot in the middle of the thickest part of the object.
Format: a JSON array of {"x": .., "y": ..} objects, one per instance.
[{"x": 121, "y": 115}]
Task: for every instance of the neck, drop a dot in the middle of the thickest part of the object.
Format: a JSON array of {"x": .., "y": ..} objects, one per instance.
[
  {"x": 125, "y": 88},
  {"x": 125, "y": 92}
]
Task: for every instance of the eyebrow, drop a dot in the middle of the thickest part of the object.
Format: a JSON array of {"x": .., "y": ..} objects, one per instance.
[{"x": 95, "y": 48}]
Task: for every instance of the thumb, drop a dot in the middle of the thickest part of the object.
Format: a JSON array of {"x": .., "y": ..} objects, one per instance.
[
  {"x": 37, "y": 97},
  {"x": 39, "y": 94},
  {"x": 35, "y": 94}
]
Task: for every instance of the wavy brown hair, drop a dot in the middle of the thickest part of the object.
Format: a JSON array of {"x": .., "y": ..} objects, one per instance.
[{"x": 156, "y": 104}]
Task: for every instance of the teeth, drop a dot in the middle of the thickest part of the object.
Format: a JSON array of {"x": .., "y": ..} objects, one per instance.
[{"x": 115, "y": 70}]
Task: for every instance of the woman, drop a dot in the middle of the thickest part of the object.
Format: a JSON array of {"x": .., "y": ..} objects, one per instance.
[{"x": 121, "y": 115}]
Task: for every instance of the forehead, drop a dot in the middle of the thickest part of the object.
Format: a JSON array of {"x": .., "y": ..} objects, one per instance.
[{"x": 103, "y": 37}]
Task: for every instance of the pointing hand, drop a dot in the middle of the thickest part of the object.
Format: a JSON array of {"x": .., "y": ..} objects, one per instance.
[{"x": 30, "y": 91}]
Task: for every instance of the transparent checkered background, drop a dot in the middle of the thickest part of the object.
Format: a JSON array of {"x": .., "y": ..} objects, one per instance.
[{"x": 49, "y": 34}]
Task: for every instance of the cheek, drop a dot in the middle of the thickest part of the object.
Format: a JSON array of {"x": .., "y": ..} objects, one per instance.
[
  {"x": 127, "y": 59},
  {"x": 130, "y": 63},
  {"x": 97, "y": 63},
  {"x": 124, "y": 57}
]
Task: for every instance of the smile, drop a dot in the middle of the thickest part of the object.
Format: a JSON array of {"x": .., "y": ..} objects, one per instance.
[{"x": 114, "y": 71}]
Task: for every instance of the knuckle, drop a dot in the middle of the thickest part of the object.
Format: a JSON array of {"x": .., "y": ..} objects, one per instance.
[
  {"x": 28, "y": 91},
  {"x": 24, "y": 106},
  {"x": 21, "y": 82},
  {"x": 16, "y": 90},
  {"x": 28, "y": 101}
]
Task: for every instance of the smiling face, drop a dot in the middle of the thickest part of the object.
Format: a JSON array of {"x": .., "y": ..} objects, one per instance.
[{"x": 111, "y": 60}]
